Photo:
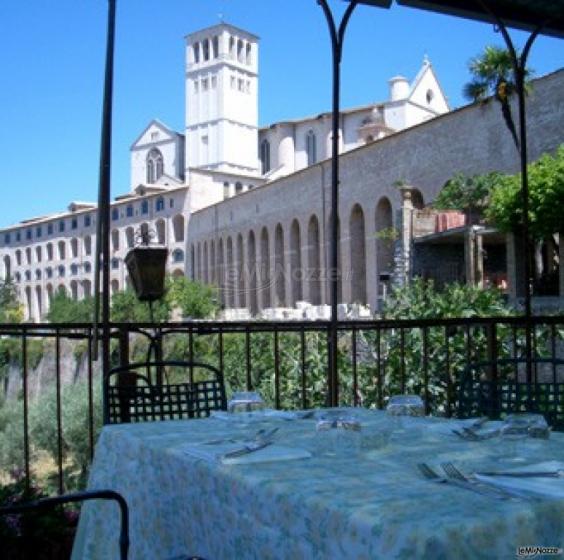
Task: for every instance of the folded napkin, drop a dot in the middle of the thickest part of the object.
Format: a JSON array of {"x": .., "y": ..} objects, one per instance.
[
  {"x": 535, "y": 487},
  {"x": 216, "y": 453}
]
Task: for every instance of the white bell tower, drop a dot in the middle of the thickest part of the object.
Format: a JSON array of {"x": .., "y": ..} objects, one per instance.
[{"x": 222, "y": 100}]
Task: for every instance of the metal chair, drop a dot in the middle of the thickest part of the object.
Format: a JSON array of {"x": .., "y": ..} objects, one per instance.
[
  {"x": 47, "y": 503},
  {"x": 132, "y": 396},
  {"x": 497, "y": 387}
]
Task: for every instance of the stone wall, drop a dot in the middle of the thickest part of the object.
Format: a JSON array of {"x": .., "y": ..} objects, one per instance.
[{"x": 469, "y": 140}]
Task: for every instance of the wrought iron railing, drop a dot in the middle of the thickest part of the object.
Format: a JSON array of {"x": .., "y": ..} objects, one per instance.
[{"x": 50, "y": 420}]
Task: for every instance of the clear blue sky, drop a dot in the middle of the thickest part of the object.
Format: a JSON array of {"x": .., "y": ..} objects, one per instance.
[{"x": 52, "y": 76}]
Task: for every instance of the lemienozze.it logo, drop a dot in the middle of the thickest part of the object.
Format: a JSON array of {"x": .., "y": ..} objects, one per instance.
[{"x": 531, "y": 551}]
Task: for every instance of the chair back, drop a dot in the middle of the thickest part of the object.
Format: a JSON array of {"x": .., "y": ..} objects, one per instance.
[
  {"x": 48, "y": 503},
  {"x": 132, "y": 396},
  {"x": 499, "y": 387}
]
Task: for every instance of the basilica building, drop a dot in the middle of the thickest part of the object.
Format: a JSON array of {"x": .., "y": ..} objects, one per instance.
[{"x": 246, "y": 207}]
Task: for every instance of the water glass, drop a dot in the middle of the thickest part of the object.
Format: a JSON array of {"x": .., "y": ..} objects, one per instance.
[
  {"x": 515, "y": 429},
  {"x": 245, "y": 401},
  {"x": 538, "y": 427},
  {"x": 338, "y": 436},
  {"x": 405, "y": 405},
  {"x": 376, "y": 435}
]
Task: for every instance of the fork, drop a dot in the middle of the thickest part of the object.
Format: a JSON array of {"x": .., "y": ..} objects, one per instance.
[
  {"x": 433, "y": 476},
  {"x": 468, "y": 436},
  {"x": 455, "y": 474}
]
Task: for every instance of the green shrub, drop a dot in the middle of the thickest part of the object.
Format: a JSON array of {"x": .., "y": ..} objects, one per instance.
[
  {"x": 11, "y": 436},
  {"x": 411, "y": 356},
  {"x": 75, "y": 427}
]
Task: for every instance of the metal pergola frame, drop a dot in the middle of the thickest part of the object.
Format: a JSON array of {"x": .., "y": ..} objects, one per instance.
[{"x": 538, "y": 17}]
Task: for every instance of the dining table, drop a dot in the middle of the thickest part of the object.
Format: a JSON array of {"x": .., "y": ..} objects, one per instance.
[{"x": 303, "y": 495}]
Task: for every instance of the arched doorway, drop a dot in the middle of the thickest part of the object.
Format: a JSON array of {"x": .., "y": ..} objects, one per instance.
[
  {"x": 279, "y": 272},
  {"x": 357, "y": 255},
  {"x": 314, "y": 261},
  {"x": 384, "y": 241},
  {"x": 265, "y": 268},
  {"x": 252, "y": 272},
  {"x": 296, "y": 272},
  {"x": 241, "y": 292}
]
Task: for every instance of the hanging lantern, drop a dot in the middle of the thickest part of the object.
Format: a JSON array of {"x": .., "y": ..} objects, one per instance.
[{"x": 146, "y": 266}]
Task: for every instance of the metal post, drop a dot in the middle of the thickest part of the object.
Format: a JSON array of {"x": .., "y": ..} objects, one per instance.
[
  {"x": 337, "y": 38},
  {"x": 519, "y": 63},
  {"x": 103, "y": 225}
]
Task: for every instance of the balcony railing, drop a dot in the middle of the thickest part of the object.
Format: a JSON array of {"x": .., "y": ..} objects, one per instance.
[{"x": 51, "y": 411}]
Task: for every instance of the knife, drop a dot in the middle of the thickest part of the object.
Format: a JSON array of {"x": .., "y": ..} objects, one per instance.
[{"x": 245, "y": 450}]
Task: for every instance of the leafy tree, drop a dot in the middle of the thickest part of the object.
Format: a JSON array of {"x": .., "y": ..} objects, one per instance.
[
  {"x": 194, "y": 299},
  {"x": 126, "y": 308},
  {"x": 493, "y": 75},
  {"x": 546, "y": 198},
  {"x": 421, "y": 300},
  {"x": 64, "y": 309},
  {"x": 11, "y": 311},
  {"x": 468, "y": 194}
]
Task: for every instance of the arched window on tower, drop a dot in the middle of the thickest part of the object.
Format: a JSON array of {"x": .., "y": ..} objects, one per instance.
[
  {"x": 311, "y": 148},
  {"x": 265, "y": 156},
  {"x": 155, "y": 166},
  {"x": 231, "y": 47},
  {"x": 196, "y": 53},
  {"x": 215, "y": 47},
  {"x": 240, "y": 50},
  {"x": 206, "y": 49},
  {"x": 249, "y": 58}
]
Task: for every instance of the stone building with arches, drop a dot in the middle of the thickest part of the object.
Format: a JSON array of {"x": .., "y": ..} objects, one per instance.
[
  {"x": 248, "y": 208},
  {"x": 55, "y": 253},
  {"x": 270, "y": 247}
]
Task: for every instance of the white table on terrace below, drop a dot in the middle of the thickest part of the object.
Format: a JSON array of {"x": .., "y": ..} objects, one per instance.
[{"x": 370, "y": 507}]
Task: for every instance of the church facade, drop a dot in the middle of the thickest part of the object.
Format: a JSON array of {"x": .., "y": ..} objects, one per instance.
[{"x": 247, "y": 208}]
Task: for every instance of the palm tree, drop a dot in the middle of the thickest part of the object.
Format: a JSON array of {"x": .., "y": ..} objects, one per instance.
[{"x": 493, "y": 74}]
